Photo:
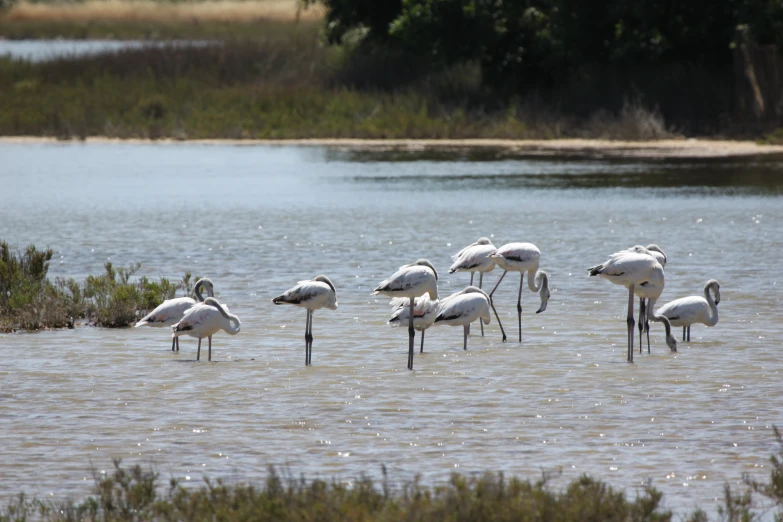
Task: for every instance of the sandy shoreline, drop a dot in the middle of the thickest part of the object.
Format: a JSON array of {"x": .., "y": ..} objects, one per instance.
[{"x": 689, "y": 148}]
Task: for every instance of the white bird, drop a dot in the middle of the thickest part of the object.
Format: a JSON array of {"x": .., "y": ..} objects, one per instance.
[
  {"x": 170, "y": 311},
  {"x": 475, "y": 258},
  {"x": 411, "y": 281},
  {"x": 521, "y": 257},
  {"x": 424, "y": 313},
  {"x": 694, "y": 309},
  {"x": 631, "y": 269},
  {"x": 205, "y": 320},
  {"x": 462, "y": 308},
  {"x": 644, "y": 325},
  {"x": 313, "y": 295}
]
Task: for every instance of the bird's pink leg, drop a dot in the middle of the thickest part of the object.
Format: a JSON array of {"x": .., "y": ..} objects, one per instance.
[
  {"x": 177, "y": 344},
  {"x": 173, "y": 342},
  {"x": 310, "y": 342},
  {"x": 210, "y": 348},
  {"x": 308, "y": 337},
  {"x": 466, "y": 331},
  {"x": 641, "y": 321},
  {"x": 471, "y": 278},
  {"x": 492, "y": 304},
  {"x": 421, "y": 348},
  {"x": 631, "y": 323},
  {"x": 198, "y": 354}
]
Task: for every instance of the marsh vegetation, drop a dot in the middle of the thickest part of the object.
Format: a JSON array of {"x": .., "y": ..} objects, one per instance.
[
  {"x": 131, "y": 493},
  {"x": 29, "y": 300}
]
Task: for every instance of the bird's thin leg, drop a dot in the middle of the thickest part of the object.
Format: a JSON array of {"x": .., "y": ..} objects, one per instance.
[
  {"x": 173, "y": 342},
  {"x": 647, "y": 329},
  {"x": 471, "y": 278},
  {"x": 421, "y": 349},
  {"x": 492, "y": 304},
  {"x": 519, "y": 304},
  {"x": 307, "y": 338},
  {"x": 683, "y": 332},
  {"x": 210, "y": 348},
  {"x": 481, "y": 281},
  {"x": 411, "y": 335},
  {"x": 641, "y": 321},
  {"x": 466, "y": 330},
  {"x": 177, "y": 344},
  {"x": 631, "y": 323},
  {"x": 310, "y": 350},
  {"x": 198, "y": 354},
  {"x": 689, "y": 333}
]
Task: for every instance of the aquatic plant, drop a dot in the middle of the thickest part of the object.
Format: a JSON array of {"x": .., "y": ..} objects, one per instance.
[
  {"x": 30, "y": 301},
  {"x": 135, "y": 494}
]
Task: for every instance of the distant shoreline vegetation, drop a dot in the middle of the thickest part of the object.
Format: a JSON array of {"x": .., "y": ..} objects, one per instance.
[
  {"x": 273, "y": 77},
  {"x": 117, "y": 298},
  {"x": 133, "y": 493}
]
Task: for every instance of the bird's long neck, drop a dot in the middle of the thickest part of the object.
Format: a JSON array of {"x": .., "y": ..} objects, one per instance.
[
  {"x": 233, "y": 320},
  {"x": 667, "y": 325},
  {"x": 713, "y": 320},
  {"x": 197, "y": 291},
  {"x": 539, "y": 281}
]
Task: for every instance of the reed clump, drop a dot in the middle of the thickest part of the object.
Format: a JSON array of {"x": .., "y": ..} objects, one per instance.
[
  {"x": 116, "y": 298},
  {"x": 135, "y": 494}
]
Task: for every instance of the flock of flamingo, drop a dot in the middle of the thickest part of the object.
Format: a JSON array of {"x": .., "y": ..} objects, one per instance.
[{"x": 415, "y": 302}]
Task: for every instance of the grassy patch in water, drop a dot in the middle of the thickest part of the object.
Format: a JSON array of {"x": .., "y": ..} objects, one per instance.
[
  {"x": 30, "y": 301},
  {"x": 135, "y": 494}
]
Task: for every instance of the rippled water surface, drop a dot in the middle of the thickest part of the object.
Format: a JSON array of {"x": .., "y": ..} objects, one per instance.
[{"x": 258, "y": 219}]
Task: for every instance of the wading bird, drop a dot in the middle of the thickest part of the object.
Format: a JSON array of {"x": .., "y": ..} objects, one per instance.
[
  {"x": 205, "y": 320},
  {"x": 462, "y": 308},
  {"x": 644, "y": 324},
  {"x": 631, "y": 269},
  {"x": 475, "y": 258},
  {"x": 424, "y": 312},
  {"x": 694, "y": 309},
  {"x": 312, "y": 295},
  {"x": 411, "y": 281},
  {"x": 171, "y": 311},
  {"x": 521, "y": 257}
]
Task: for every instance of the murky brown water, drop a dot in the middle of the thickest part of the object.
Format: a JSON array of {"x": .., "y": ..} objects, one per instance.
[{"x": 258, "y": 219}]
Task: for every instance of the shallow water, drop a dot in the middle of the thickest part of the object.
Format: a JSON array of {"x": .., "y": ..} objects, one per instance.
[
  {"x": 46, "y": 50},
  {"x": 258, "y": 219}
]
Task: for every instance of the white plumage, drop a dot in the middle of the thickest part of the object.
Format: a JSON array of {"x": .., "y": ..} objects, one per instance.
[
  {"x": 411, "y": 281},
  {"x": 633, "y": 269},
  {"x": 313, "y": 295},
  {"x": 205, "y": 320},
  {"x": 424, "y": 313},
  {"x": 644, "y": 325},
  {"x": 464, "y": 307},
  {"x": 694, "y": 309},
  {"x": 521, "y": 257},
  {"x": 475, "y": 258},
  {"x": 171, "y": 311}
]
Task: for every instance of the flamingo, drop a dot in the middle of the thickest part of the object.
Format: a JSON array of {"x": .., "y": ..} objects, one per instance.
[
  {"x": 170, "y": 311},
  {"x": 411, "y": 281},
  {"x": 424, "y": 312},
  {"x": 521, "y": 257},
  {"x": 205, "y": 320},
  {"x": 464, "y": 307},
  {"x": 475, "y": 258},
  {"x": 644, "y": 325},
  {"x": 312, "y": 295},
  {"x": 694, "y": 309},
  {"x": 631, "y": 269}
]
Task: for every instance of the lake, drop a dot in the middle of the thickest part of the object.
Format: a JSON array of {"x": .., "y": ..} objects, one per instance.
[
  {"x": 257, "y": 219},
  {"x": 46, "y": 50}
]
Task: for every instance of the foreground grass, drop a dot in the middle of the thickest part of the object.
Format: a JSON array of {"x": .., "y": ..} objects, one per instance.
[
  {"x": 135, "y": 494},
  {"x": 30, "y": 301}
]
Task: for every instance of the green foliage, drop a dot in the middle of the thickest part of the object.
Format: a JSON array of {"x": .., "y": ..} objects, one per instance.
[
  {"x": 115, "y": 300},
  {"x": 134, "y": 494},
  {"x": 528, "y": 43},
  {"x": 30, "y": 301}
]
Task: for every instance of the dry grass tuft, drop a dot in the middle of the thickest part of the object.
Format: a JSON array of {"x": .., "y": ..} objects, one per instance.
[{"x": 151, "y": 11}]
